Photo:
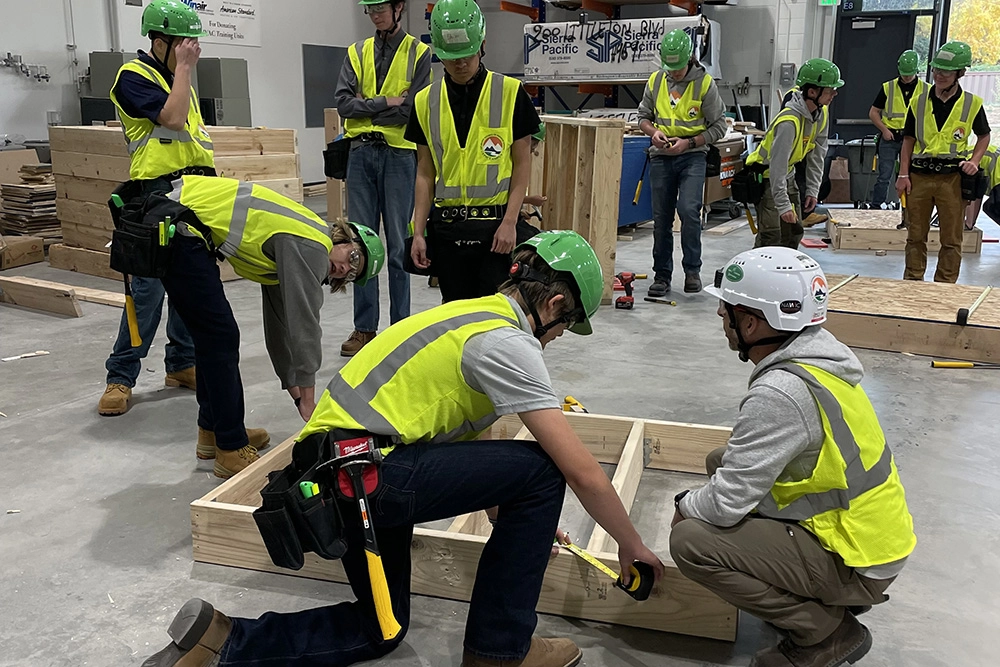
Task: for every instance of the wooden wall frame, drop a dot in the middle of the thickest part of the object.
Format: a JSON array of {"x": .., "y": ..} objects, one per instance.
[
  {"x": 445, "y": 561},
  {"x": 851, "y": 229}
]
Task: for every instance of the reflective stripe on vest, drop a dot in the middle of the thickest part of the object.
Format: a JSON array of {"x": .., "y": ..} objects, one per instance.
[
  {"x": 398, "y": 80},
  {"x": 894, "y": 113},
  {"x": 952, "y": 140},
  {"x": 172, "y": 150},
  {"x": 492, "y": 117},
  {"x": 675, "y": 119},
  {"x": 991, "y": 165},
  {"x": 408, "y": 382}
]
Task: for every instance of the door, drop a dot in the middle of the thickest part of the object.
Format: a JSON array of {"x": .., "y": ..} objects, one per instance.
[{"x": 866, "y": 49}]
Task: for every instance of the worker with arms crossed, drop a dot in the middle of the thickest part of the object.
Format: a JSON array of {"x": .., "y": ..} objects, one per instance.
[
  {"x": 682, "y": 113},
  {"x": 888, "y": 114},
  {"x": 374, "y": 96},
  {"x": 287, "y": 249},
  {"x": 803, "y": 522},
  {"x": 432, "y": 383},
  {"x": 473, "y": 135},
  {"x": 798, "y": 132},
  {"x": 166, "y": 138},
  {"x": 935, "y": 156}
]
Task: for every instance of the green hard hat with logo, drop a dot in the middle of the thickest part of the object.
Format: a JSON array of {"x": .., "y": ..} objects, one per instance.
[
  {"x": 171, "y": 17},
  {"x": 819, "y": 72},
  {"x": 953, "y": 56},
  {"x": 371, "y": 246},
  {"x": 675, "y": 50},
  {"x": 566, "y": 251},
  {"x": 458, "y": 29},
  {"x": 908, "y": 63}
]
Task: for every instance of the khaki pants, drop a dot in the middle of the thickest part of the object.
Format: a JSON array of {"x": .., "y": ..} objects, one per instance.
[
  {"x": 771, "y": 229},
  {"x": 928, "y": 191},
  {"x": 774, "y": 570}
]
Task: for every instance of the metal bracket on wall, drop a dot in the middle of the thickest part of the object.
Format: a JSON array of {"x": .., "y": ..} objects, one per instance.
[{"x": 15, "y": 62}]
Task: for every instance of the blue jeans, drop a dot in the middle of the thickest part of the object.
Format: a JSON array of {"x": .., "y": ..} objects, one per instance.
[
  {"x": 428, "y": 482},
  {"x": 380, "y": 182},
  {"x": 888, "y": 153},
  {"x": 678, "y": 184},
  {"x": 125, "y": 361}
]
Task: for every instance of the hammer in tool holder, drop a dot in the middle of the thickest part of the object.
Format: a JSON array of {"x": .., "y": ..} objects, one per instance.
[{"x": 356, "y": 463}]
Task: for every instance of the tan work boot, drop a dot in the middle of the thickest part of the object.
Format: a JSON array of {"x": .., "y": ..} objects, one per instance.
[
  {"x": 814, "y": 219},
  {"x": 198, "y": 632},
  {"x": 356, "y": 341},
  {"x": 116, "y": 400},
  {"x": 543, "y": 653},
  {"x": 848, "y": 644},
  {"x": 258, "y": 438},
  {"x": 229, "y": 462},
  {"x": 184, "y": 378}
]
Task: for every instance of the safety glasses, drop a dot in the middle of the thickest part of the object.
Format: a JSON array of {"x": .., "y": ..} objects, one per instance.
[
  {"x": 355, "y": 262},
  {"x": 378, "y": 9}
]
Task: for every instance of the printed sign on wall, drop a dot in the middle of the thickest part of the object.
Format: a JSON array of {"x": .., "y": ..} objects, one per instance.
[{"x": 229, "y": 21}]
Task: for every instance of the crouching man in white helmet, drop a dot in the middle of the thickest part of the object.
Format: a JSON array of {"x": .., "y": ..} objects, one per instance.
[{"x": 803, "y": 522}]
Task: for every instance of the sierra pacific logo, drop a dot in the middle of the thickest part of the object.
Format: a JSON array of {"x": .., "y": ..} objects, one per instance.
[
  {"x": 605, "y": 44},
  {"x": 493, "y": 147}
]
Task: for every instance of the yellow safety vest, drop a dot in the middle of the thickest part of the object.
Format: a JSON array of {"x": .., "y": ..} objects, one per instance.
[
  {"x": 952, "y": 140},
  {"x": 991, "y": 165},
  {"x": 479, "y": 174},
  {"x": 683, "y": 118},
  {"x": 408, "y": 382},
  {"x": 397, "y": 81},
  {"x": 154, "y": 149},
  {"x": 853, "y": 502},
  {"x": 242, "y": 216},
  {"x": 894, "y": 113},
  {"x": 804, "y": 143}
]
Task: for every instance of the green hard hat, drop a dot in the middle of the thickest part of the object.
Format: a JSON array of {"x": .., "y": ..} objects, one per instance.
[
  {"x": 675, "y": 50},
  {"x": 908, "y": 63},
  {"x": 953, "y": 56},
  {"x": 171, "y": 17},
  {"x": 368, "y": 3},
  {"x": 371, "y": 246},
  {"x": 567, "y": 251},
  {"x": 539, "y": 135},
  {"x": 819, "y": 72},
  {"x": 458, "y": 29}
]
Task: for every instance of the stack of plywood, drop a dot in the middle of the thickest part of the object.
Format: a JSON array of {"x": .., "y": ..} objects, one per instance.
[
  {"x": 29, "y": 207},
  {"x": 90, "y": 162}
]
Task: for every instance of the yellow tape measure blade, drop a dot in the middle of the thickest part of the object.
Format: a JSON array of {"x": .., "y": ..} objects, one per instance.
[{"x": 590, "y": 559}]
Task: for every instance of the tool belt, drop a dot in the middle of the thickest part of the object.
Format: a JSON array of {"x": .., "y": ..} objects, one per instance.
[
  {"x": 933, "y": 165},
  {"x": 371, "y": 138},
  {"x": 974, "y": 187},
  {"x": 748, "y": 185},
  {"x": 189, "y": 171},
  {"x": 336, "y": 157},
  {"x": 463, "y": 213}
]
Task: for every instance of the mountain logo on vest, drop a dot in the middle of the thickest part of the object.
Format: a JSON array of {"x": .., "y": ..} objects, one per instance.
[
  {"x": 493, "y": 147},
  {"x": 958, "y": 134},
  {"x": 818, "y": 289},
  {"x": 693, "y": 112}
]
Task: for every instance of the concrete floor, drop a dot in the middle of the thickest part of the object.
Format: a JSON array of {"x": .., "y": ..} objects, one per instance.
[{"x": 99, "y": 556}]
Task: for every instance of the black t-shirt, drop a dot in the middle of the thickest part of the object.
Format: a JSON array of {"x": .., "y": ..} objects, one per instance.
[
  {"x": 138, "y": 96},
  {"x": 980, "y": 124},
  {"x": 881, "y": 101},
  {"x": 463, "y": 100}
]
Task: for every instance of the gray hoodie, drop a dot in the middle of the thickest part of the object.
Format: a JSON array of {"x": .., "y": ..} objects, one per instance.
[
  {"x": 781, "y": 151},
  {"x": 778, "y": 435},
  {"x": 711, "y": 107}
]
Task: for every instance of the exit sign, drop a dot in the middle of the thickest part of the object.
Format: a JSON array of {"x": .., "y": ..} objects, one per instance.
[{"x": 829, "y": 3}]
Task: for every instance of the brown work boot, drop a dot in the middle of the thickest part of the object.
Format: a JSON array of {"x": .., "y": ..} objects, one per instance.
[
  {"x": 228, "y": 462},
  {"x": 814, "y": 219},
  {"x": 198, "y": 632},
  {"x": 356, "y": 341},
  {"x": 184, "y": 378},
  {"x": 543, "y": 653},
  {"x": 848, "y": 644},
  {"x": 258, "y": 439},
  {"x": 115, "y": 401}
]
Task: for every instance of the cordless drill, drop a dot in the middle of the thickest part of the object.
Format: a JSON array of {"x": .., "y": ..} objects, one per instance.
[{"x": 626, "y": 278}]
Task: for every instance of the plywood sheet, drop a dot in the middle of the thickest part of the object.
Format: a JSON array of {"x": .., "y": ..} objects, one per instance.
[{"x": 910, "y": 299}]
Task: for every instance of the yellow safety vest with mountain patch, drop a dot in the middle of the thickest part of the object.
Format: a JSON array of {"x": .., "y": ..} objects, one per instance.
[
  {"x": 682, "y": 117},
  {"x": 952, "y": 140}
]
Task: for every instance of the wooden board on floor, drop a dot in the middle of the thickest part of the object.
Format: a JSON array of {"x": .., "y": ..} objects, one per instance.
[
  {"x": 856, "y": 229},
  {"x": 81, "y": 260},
  {"x": 82, "y": 293},
  {"x": 728, "y": 227},
  {"x": 51, "y": 297}
]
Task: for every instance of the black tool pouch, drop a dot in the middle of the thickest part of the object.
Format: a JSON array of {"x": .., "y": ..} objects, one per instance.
[
  {"x": 292, "y": 525},
  {"x": 713, "y": 162},
  {"x": 748, "y": 185},
  {"x": 335, "y": 158},
  {"x": 974, "y": 186}
]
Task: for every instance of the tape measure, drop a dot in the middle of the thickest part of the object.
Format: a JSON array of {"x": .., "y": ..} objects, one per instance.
[{"x": 643, "y": 577}]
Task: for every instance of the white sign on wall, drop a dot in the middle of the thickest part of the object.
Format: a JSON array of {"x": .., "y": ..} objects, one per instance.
[{"x": 229, "y": 21}]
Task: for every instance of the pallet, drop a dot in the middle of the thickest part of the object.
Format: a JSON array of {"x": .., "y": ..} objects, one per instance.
[
  {"x": 914, "y": 317},
  {"x": 445, "y": 561},
  {"x": 852, "y": 229}
]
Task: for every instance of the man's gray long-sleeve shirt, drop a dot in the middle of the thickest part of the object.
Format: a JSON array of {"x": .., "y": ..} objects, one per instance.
[
  {"x": 711, "y": 107},
  {"x": 349, "y": 105},
  {"x": 781, "y": 152}
]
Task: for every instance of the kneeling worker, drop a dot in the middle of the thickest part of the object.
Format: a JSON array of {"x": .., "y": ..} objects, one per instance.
[
  {"x": 279, "y": 243},
  {"x": 432, "y": 382},
  {"x": 803, "y": 522}
]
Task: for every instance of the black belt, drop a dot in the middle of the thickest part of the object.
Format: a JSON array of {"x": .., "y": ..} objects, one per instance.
[
  {"x": 934, "y": 166},
  {"x": 370, "y": 138},
  {"x": 464, "y": 212}
]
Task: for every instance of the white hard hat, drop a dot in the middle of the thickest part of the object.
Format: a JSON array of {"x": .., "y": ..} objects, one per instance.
[{"x": 787, "y": 285}]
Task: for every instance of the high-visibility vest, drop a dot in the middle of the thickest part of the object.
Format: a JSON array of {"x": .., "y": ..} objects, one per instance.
[
  {"x": 243, "y": 216},
  {"x": 952, "y": 140},
  {"x": 853, "y": 502},
  {"x": 683, "y": 118},
  {"x": 804, "y": 143},
  {"x": 479, "y": 174},
  {"x": 407, "y": 383},
  {"x": 155, "y": 150},
  {"x": 894, "y": 113},
  {"x": 397, "y": 81},
  {"x": 991, "y": 165}
]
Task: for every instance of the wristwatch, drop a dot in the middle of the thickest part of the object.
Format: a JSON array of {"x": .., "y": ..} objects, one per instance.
[
  {"x": 678, "y": 497},
  {"x": 692, "y": 143}
]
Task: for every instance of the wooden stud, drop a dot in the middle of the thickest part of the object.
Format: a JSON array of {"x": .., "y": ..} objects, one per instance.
[
  {"x": 23, "y": 292},
  {"x": 476, "y": 523},
  {"x": 259, "y": 168},
  {"x": 336, "y": 189},
  {"x": 626, "y": 484},
  {"x": 93, "y": 190},
  {"x": 90, "y": 262},
  {"x": 876, "y": 230}
]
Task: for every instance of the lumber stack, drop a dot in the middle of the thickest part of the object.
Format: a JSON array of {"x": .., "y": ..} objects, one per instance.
[
  {"x": 29, "y": 207},
  {"x": 89, "y": 163}
]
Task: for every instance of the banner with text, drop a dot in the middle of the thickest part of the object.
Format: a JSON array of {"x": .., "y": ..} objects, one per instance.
[{"x": 229, "y": 21}]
